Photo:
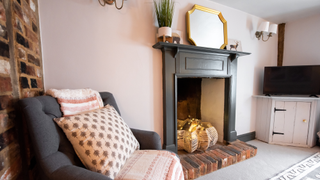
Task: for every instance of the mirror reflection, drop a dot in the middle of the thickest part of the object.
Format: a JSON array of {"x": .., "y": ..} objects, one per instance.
[{"x": 206, "y": 27}]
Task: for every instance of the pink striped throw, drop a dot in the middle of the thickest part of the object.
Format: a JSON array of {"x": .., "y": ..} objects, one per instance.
[
  {"x": 75, "y": 101},
  {"x": 151, "y": 165}
]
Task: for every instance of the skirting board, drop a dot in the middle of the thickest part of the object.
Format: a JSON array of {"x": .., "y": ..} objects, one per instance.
[{"x": 247, "y": 137}]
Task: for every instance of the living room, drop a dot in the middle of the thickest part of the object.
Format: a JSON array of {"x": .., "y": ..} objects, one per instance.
[{"x": 85, "y": 45}]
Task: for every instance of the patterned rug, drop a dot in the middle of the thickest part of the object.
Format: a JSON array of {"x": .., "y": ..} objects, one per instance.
[{"x": 308, "y": 169}]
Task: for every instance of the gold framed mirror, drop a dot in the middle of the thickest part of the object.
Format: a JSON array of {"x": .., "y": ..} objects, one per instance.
[{"x": 206, "y": 27}]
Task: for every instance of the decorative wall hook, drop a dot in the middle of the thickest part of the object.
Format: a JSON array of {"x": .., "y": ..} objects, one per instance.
[{"x": 110, "y": 2}]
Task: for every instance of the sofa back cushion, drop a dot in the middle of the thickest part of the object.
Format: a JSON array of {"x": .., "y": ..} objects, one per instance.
[{"x": 46, "y": 136}]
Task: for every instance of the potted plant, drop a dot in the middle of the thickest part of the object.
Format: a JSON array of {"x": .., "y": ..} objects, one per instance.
[{"x": 164, "y": 12}]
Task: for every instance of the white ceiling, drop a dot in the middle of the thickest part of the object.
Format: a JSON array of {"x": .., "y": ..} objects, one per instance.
[{"x": 276, "y": 11}]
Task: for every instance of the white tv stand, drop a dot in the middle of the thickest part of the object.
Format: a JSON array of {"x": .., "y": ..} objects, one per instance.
[{"x": 287, "y": 120}]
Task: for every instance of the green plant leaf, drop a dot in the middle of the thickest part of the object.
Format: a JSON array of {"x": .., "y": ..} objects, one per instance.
[{"x": 164, "y": 12}]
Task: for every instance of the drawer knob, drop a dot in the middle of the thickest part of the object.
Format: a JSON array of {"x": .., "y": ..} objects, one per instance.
[{"x": 304, "y": 121}]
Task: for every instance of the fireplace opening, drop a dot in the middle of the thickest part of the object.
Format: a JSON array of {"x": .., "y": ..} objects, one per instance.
[{"x": 201, "y": 100}]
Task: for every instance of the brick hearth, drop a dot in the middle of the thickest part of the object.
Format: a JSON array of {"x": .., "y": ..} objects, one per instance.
[{"x": 216, "y": 157}]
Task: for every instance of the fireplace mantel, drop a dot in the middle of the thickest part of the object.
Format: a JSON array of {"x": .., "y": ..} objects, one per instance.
[{"x": 179, "y": 61}]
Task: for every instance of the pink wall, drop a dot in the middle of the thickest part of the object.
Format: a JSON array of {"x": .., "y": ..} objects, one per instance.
[
  {"x": 302, "y": 42},
  {"x": 86, "y": 45}
]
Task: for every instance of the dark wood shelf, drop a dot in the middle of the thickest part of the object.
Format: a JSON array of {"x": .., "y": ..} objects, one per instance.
[{"x": 161, "y": 45}]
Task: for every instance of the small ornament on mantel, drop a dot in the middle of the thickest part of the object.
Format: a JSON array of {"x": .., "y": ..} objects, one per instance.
[{"x": 175, "y": 38}]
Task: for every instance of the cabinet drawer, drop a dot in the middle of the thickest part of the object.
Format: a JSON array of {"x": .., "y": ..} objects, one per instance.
[{"x": 204, "y": 64}]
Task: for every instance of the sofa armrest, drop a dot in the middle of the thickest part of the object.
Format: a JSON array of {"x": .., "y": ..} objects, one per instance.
[
  {"x": 147, "y": 139},
  {"x": 58, "y": 166},
  {"x": 72, "y": 172}
]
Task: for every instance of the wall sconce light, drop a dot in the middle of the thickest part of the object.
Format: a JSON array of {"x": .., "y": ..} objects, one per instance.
[
  {"x": 110, "y": 2},
  {"x": 264, "y": 28}
]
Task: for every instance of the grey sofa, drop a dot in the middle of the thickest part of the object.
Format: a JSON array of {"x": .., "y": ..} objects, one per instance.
[{"x": 55, "y": 156}]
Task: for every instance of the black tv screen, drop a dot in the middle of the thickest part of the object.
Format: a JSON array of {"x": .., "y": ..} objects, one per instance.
[{"x": 292, "y": 80}]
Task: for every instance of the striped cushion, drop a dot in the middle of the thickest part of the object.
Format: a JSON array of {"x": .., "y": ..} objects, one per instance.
[
  {"x": 77, "y": 100},
  {"x": 151, "y": 165}
]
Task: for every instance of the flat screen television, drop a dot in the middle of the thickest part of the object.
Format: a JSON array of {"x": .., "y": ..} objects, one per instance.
[{"x": 292, "y": 80}]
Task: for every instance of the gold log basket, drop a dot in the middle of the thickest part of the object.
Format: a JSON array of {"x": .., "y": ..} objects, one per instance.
[{"x": 193, "y": 134}]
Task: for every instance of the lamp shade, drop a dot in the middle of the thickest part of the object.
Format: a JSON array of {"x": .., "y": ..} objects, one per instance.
[
  {"x": 273, "y": 28},
  {"x": 264, "y": 27}
]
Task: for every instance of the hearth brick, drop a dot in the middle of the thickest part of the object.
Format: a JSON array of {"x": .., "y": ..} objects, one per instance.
[
  {"x": 215, "y": 157},
  {"x": 4, "y": 49},
  {"x": 239, "y": 158},
  {"x": 239, "y": 155},
  {"x": 210, "y": 166},
  {"x": 243, "y": 152},
  {"x": 191, "y": 170},
  {"x": 233, "y": 154},
  {"x": 185, "y": 173},
  {"x": 231, "y": 159},
  {"x": 24, "y": 82},
  {"x": 203, "y": 166},
  {"x": 254, "y": 148},
  {"x": 225, "y": 161},
  {"x": 246, "y": 148},
  {"x": 33, "y": 60},
  {"x": 5, "y": 84}
]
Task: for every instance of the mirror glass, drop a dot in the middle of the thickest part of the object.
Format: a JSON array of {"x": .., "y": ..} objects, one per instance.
[{"x": 206, "y": 27}]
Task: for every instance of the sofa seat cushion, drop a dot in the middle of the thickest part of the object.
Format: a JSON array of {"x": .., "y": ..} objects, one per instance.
[
  {"x": 101, "y": 139},
  {"x": 151, "y": 165}
]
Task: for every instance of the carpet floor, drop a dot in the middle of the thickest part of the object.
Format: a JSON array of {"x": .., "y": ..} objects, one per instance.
[{"x": 269, "y": 161}]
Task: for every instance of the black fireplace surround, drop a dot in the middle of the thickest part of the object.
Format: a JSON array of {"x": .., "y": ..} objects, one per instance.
[{"x": 182, "y": 61}]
